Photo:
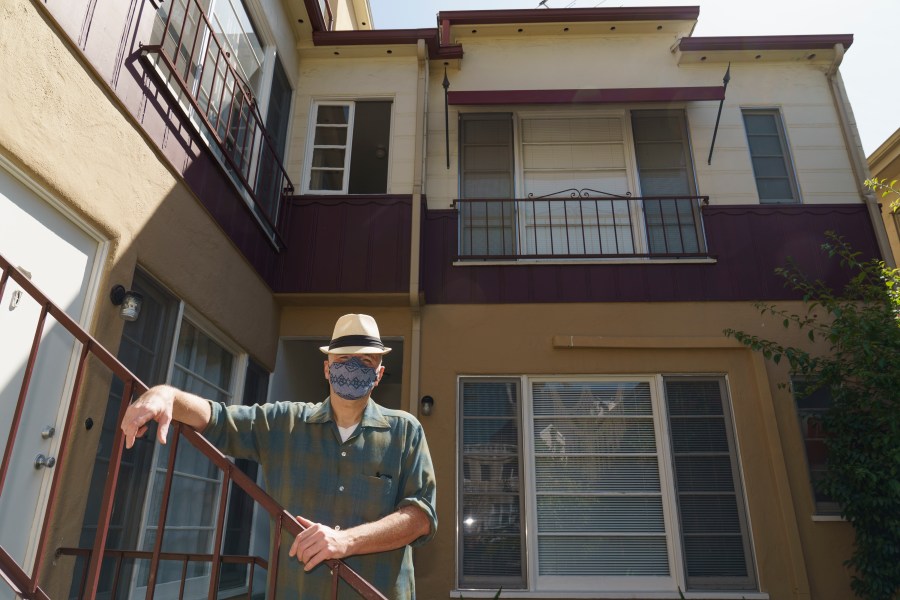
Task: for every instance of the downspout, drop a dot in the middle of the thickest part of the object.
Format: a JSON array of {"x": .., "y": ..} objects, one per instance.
[
  {"x": 415, "y": 308},
  {"x": 855, "y": 153}
]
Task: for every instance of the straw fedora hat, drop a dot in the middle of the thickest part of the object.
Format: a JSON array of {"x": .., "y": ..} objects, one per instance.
[{"x": 355, "y": 334}]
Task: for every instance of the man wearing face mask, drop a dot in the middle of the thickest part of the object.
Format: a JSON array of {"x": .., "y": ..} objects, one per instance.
[{"x": 359, "y": 474}]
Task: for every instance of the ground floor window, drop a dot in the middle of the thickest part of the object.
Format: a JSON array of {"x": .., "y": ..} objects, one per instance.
[{"x": 600, "y": 483}]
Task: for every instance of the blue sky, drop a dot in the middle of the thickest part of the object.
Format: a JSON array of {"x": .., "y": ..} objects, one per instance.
[{"x": 869, "y": 69}]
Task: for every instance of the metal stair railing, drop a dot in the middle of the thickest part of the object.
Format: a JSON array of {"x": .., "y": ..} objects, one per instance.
[{"x": 27, "y": 584}]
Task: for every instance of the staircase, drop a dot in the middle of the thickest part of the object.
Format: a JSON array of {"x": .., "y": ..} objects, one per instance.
[{"x": 28, "y": 584}]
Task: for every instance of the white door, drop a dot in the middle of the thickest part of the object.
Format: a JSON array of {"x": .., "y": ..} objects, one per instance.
[{"x": 61, "y": 258}]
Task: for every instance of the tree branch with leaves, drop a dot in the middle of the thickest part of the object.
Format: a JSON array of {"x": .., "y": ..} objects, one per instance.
[{"x": 854, "y": 353}]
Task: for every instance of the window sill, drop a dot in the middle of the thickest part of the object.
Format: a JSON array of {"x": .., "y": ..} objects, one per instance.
[
  {"x": 529, "y": 262},
  {"x": 730, "y": 595},
  {"x": 828, "y": 519}
]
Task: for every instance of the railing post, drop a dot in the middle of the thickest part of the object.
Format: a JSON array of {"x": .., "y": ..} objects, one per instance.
[
  {"x": 109, "y": 490},
  {"x": 57, "y": 473},
  {"x": 220, "y": 526},
  {"x": 273, "y": 557},
  {"x": 163, "y": 511}
]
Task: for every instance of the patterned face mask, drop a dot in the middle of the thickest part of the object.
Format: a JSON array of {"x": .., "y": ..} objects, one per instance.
[{"x": 352, "y": 380}]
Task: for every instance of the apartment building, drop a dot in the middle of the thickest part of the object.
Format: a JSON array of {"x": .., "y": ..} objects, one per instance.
[{"x": 552, "y": 214}]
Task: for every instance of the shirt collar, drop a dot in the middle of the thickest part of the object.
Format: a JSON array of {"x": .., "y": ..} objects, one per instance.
[{"x": 372, "y": 416}]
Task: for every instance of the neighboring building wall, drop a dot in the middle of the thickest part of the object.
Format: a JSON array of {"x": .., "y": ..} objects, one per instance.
[
  {"x": 63, "y": 127},
  {"x": 884, "y": 163}
]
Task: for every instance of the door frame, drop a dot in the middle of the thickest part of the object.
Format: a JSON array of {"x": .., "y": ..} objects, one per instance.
[{"x": 88, "y": 309}]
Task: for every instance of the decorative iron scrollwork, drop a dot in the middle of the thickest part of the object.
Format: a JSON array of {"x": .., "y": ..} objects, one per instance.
[{"x": 586, "y": 193}]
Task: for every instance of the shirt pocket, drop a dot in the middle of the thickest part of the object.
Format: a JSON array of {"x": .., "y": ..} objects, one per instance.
[{"x": 375, "y": 495}]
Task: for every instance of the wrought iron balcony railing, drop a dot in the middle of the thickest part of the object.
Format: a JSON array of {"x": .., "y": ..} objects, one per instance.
[
  {"x": 581, "y": 224},
  {"x": 27, "y": 585},
  {"x": 190, "y": 56}
]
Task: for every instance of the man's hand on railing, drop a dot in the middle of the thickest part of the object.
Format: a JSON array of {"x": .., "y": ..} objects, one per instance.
[
  {"x": 318, "y": 543},
  {"x": 163, "y": 403}
]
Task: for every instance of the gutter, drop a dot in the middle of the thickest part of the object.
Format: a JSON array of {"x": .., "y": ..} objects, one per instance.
[
  {"x": 855, "y": 153},
  {"x": 415, "y": 251}
]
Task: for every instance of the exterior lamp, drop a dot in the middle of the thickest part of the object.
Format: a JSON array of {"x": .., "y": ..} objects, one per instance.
[
  {"x": 129, "y": 302},
  {"x": 427, "y": 404}
]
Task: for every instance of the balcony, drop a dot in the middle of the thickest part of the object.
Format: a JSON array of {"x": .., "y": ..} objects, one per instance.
[
  {"x": 743, "y": 246},
  {"x": 580, "y": 225},
  {"x": 210, "y": 76}
]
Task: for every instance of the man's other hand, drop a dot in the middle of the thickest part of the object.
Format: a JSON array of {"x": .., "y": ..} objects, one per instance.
[{"x": 318, "y": 543}]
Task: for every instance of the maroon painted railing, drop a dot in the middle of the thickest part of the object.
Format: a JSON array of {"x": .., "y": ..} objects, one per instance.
[
  {"x": 202, "y": 67},
  {"x": 184, "y": 558},
  {"x": 27, "y": 584},
  {"x": 581, "y": 224}
]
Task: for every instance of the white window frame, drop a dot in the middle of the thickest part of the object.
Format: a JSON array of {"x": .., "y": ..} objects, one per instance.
[
  {"x": 558, "y": 586},
  {"x": 351, "y": 103},
  {"x": 541, "y": 583},
  {"x": 311, "y": 145}
]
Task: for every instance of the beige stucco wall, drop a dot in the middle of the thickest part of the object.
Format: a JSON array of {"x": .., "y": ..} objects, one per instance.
[
  {"x": 62, "y": 127},
  {"x": 393, "y": 78},
  {"x": 798, "y": 89},
  {"x": 795, "y": 556}
]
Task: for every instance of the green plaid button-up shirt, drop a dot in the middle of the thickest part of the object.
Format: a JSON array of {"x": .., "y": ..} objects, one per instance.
[{"x": 383, "y": 465}]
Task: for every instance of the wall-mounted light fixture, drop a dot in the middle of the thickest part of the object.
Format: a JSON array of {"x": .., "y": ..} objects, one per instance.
[
  {"x": 427, "y": 404},
  {"x": 129, "y": 302}
]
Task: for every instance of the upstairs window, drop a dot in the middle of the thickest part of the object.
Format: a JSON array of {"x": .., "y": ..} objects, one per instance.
[
  {"x": 772, "y": 165},
  {"x": 561, "y": 184},
  {"x": 348, "y": 148}
]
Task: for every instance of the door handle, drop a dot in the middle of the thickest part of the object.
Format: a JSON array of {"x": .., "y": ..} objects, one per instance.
[{"x": 44, "y": 461}]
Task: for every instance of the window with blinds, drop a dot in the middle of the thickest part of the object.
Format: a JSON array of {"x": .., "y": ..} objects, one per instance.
[
  {"x": 599, "y": 504},
  {"x": 714, "y": 537},
  {"x": 491, "y": 533},
  {"x": 769, "y": 153},
  {"x": 622, "y": 480}
]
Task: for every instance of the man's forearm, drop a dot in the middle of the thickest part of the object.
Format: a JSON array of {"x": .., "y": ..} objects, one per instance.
[
  {"x": 396, "y": 530},
  {"x": 319, "y": 542}
]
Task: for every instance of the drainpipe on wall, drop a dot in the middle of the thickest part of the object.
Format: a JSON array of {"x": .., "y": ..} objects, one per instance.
[
  {"x": 855, "y": 153},
  {"x": 416, "y": 228}
]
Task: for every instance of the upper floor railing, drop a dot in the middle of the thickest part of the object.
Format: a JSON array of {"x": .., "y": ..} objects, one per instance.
[
  {"x": 27, "y": 585},
  {"x": 581, "y": 224},
  {"x": 187, "y": 54}
]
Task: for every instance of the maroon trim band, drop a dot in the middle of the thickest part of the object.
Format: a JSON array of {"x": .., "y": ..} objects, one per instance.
[{"x": 591, "y": 96}]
